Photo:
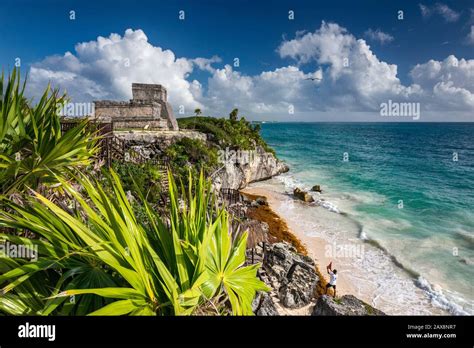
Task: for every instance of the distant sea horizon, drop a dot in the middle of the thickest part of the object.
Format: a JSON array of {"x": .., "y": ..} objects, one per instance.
[{"x": 404, "y": 186}]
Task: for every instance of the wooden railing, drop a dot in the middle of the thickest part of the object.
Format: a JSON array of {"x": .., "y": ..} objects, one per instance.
[
  {"x": 112, "y": 147},
  {"x": 102, "y": 128},
  {"x": 230, "y": 196}
]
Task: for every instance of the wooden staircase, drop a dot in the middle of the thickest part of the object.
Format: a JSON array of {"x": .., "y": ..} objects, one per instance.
[{"x": 112, "y": 148}]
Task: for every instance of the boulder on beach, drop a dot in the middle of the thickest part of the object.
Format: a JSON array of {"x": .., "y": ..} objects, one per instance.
[
  {"x": 303, "y": 195},
  {"x": 259, "y": 201},
  {"x": 316, "y": 188},
  {"x": 345, "y": 305},
  {"x": 299, "y": 286},
  {"x": 263, "y": 305},
  {"x": 292, "y": 276}
]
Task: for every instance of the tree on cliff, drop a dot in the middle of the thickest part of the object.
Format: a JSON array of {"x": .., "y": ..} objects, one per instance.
[
  {"x": 257, "y": 128},
  {"x": 234, "y": 114},
  {"x": 197, "y": 112}
]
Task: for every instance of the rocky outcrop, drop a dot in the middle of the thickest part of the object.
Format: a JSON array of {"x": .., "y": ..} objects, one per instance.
[
  {"x": 234, "y": 174},
  {"x": 263, "y": 305},
  {"x": 292, "y": 276},
  {"x": 256, "y": 165},
  {"x": 293, "y": 280},
  {"x": 345, "y": 305},
  {"x": 316, "y": 188},
  {"x": 299, "y": 286},
  {"x": 303, "y": 195}
]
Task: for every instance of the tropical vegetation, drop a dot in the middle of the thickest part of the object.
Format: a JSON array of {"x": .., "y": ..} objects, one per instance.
[
  {"x": 33, "y": 151},
  {"x": 188, "y": 264},
  {"x": 192, "y": 155},
  {"x": 95, "y": 253},
  {"x": 228, "y": 132}
]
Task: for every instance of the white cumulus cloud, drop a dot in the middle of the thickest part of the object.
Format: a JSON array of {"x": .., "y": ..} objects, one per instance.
[
  {"x": 270, "y": 91},
  {"x": 105, "y": 69},
  {"x": 331, "y": 71},
  {"x": 359, "y": 80},
  {"x": 447, "y": 84}
]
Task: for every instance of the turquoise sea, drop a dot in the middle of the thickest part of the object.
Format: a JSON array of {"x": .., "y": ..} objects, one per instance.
[{"x": 408, "y": 190}]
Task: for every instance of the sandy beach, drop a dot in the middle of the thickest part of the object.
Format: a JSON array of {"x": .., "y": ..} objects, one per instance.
[
  {"x": 365, "y": 271},
  {"x": 315, "y": 247}
]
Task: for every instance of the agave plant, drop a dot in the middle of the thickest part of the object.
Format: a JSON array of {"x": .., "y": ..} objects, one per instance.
[
  {"x": 174, "y": 267},
  {"x": 33, "y": 150}
]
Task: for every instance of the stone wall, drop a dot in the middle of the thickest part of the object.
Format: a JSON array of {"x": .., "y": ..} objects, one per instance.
[
  {"x": 124, "y": 110},
  {"x": 152, "y": 144},
  {"x": 167, "y": 113},
  {"x": 143, "y": 91},
  {"x": 149, "y": 108}
]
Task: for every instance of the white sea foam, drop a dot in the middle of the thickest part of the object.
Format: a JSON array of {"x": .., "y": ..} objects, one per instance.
[
  {"x": 438, "y": 299},
  {"x": 291, "y": 183},
  {"x": 288, "y": 180},
  {"x": 363, "y": 235},
  {"x": 468, "y": 237},
  {"x": 313, "y": 234},
  {"x": 375, "y": 275}
]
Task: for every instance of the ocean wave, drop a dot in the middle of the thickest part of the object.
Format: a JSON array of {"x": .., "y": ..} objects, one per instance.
[
  {"x": 288, "y": 181},
  {"x": 364, "y": 197},
  {"x": 327, "y": 205},
  {"x": 465, "y": 236},
  {"x": 434, "y": 295},
  {"x": 438, "y": 299}
]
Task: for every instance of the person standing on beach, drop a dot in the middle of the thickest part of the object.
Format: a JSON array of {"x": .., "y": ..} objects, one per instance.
[{"x": 332, "y": 280}]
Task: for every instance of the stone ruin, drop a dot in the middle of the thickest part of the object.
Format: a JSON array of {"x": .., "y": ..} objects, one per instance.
[{"x": 148, "y": 109}]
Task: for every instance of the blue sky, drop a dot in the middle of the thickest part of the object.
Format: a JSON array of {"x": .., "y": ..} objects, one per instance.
[{"x": 253, "y": 31}]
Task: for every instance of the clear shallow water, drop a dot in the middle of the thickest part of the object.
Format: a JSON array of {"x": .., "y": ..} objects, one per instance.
[{"x": 432, "y": 235}]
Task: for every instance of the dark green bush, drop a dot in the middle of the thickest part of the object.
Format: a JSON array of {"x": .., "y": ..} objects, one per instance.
[
  {"x": 191, "y": 154},
  {"x": 146, "y": 176},
  {"x": 227, "y": 132}
]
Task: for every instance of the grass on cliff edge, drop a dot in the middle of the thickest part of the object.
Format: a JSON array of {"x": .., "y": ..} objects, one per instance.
[{"x": 225, "y": 132}]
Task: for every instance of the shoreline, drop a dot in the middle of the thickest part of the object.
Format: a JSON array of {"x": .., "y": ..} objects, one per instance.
[
  {"x": 322, "y": 233},
  {"x": 312, "y": 246},
  {"x": 378, "y": 280}
]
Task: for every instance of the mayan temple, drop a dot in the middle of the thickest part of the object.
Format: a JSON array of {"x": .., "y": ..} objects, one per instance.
[{"x": 148, "y": 109}]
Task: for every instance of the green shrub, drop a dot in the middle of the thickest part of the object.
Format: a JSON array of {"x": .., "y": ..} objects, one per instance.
[
  {"x": 33, "y": 150},
  {"x": 114, "y": 264},
  {"x": 146, "y": 176},
  {"x": 225, "y": 132},
  {"x": 192, "y": 155}
]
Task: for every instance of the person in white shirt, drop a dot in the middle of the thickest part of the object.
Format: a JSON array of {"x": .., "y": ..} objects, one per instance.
[{"x": 332, "y": 280}]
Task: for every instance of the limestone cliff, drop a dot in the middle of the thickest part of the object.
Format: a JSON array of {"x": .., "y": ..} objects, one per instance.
[
  {"x": 260, "y": 165},
  {"x": 234, "y": 172}
]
